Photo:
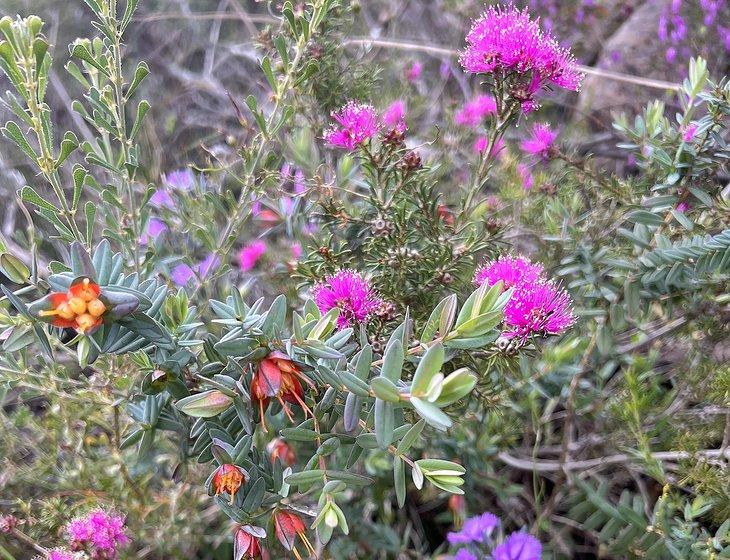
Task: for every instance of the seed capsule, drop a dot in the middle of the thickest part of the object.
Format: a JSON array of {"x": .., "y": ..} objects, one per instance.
[
  {"x": 77, "y": 305},
  {"x": 85, "y": 322},
  {"x": 96, "y": 307},
  {"x": 65, "y": 312}
]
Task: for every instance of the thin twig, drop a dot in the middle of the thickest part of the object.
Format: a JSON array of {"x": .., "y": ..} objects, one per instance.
[
  {"x": 445, "y": 51},
  {"x": 555, "y": 466}
]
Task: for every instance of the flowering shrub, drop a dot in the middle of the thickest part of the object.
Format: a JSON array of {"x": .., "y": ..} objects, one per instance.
[{"x": 328, "y": 322}]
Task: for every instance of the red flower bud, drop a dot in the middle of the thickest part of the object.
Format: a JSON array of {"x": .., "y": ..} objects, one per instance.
[
  {"x": 280, "y": 449},
  {"x": 246, "y": 544},
  {"x": 288, "y": 527},
  {"x": 279, "y": 377}
]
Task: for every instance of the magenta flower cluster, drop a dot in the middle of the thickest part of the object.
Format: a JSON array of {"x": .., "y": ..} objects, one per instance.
[
  {"x": 348, "y": 291},
  {"x": 537, "y": 306},
  {"x": 98, "y": 535},
  {"x": 354, "y": 124},
  {"x": 506, "y": 41}
]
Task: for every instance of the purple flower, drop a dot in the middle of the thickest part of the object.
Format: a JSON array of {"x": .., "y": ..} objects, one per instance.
[
  {"x": 414, "y": 71},
  {"x": 518, "y": 546},
  {"x": 475, "y": 530},
  {"x": 182, "y": 274},
  {"x": 162, "y": 199},
  {"x": 505, "y": 39},
  {"x": 99, "y": 532},
  {"x": 511, "y": 271},
  {"x": 250, "y": 253},
  {"x": 464, "y": 554},
  {"x": 689, "y": 132},
  {"x": 394, "y": 116},
  {"x": 155, "y": 228},
  {"x": 540, "y": 142},
  {"x": 180, "y": 180},
  {"x": 208, "y": 265},
  {"x": 349, "y": 292},
  {"x": 300, "y": 183},
  {"x": 355, "y": 124},
  {"x": 472, "y": 113},
  {"x": 538, "y": 308},
  {"x": 296, "y": 250}
]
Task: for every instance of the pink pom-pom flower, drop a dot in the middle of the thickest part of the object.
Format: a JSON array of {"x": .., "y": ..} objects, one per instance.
[
  {"x": 350, "y": 292},
  {"x": 354, "y": 124}
]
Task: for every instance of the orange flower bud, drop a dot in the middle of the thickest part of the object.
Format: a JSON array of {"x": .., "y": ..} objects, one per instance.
[{"x": 228, "y": 478}]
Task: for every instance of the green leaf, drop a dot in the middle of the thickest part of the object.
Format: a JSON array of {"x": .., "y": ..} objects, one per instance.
[
  {"x": 142, "y": 109},
  {"x": 393, "y": 361},
  {"x": 90, "y": 211},
  {"x": 384, "y": 423},
  {"x": 20, "y": 337},
  {"x": 79, "y": 176},
  {"x": 266, "y": 67},
  {"x": 479, "y": 325},
  {"x": 147, "y": 328},
  {"x": 399, "y": 478},
  {"x": 431, "y": 414},
  {"x": 12, "y": 132},
  {"x": 28, "y": 194},
  {"x": 455, "y": 387},
  {"x": 15, "y": 269},
  {"x": 385, "y": 389},
  {"x": 364, "y": 362},
  {"x": 305, "y": 477},
  {"x": 68, "y": 145},
  {"x": 428, "y": 367},
  {"x": 128, "y": 13},
  {"x": 79, "y": 50},
  {"x": 411, "y": 436}
]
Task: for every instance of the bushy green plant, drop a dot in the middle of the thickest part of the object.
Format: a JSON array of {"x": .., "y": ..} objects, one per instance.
[{"x": 159, "y": 375}]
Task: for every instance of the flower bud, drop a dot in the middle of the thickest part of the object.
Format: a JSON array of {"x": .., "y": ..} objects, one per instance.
[
  {"x": 246, "y": 542},
  {"x": 228, "y": 479}
]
